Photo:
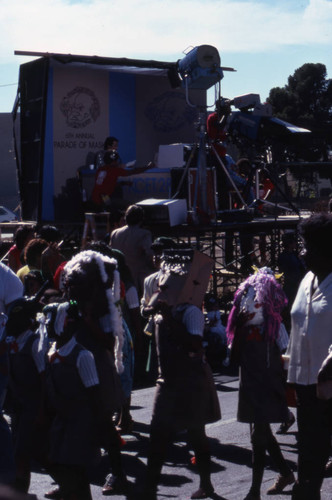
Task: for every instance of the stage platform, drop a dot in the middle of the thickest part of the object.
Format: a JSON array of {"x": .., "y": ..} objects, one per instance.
[{"x": 235, "y": 245}]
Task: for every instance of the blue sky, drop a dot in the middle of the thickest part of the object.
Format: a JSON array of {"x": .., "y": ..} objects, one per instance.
[{"x": 264, "y": 40}]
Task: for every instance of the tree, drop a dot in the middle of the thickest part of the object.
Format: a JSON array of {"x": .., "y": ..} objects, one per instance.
[{"x": 307, "y": 98}]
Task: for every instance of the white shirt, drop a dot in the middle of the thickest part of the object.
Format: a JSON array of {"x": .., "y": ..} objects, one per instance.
[
  {"x": 150, "y": 287},
  {"x": 11, "y": 287},
  {"x": 193, "y": 319},
  {"x": 85, "y": 364},
  {"x": 132, "y": 298},
  {"x": 311, "y": 333}
]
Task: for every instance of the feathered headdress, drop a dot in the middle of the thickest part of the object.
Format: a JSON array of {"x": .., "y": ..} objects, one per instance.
[{"x": 113, "y": 320}]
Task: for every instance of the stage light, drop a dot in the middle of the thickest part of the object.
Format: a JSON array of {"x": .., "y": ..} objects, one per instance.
[{"x": 200, "y": 68}]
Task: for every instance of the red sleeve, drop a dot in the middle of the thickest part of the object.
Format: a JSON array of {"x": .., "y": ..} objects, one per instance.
[
  {"x": 105, "y": 182},
  {"x": 126, "y": 173},
  {"x": 213, "y": 129}
]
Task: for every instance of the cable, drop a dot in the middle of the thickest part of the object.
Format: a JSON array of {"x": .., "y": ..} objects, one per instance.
[{"x": 8, "y": 84}]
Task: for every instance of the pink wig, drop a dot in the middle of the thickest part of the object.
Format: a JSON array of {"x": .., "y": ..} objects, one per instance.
[{"x": 269, "y": 293}]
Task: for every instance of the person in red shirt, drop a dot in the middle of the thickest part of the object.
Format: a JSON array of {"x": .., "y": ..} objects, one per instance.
[
  {"x": 216, "y": 133},
  {"x": 107, "y": 189}
]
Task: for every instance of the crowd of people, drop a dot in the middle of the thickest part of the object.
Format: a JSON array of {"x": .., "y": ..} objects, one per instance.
[{"x": 78, "y": 332}]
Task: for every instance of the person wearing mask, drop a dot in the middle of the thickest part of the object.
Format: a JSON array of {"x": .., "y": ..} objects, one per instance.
[
  {"x": 185, "y": 397},
  {"x": 254, "y": 332},
  {"x": 92, "y": 280}
]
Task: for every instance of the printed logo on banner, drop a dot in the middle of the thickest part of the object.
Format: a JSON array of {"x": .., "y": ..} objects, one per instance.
[
  {"x": 170, "y": 111},
  {"x": 80, "y": 107}
]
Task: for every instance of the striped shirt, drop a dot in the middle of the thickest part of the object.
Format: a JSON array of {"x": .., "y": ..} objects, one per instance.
[
  {"x": 193, "y": 319},
  {"x": 85, "y": 364}
]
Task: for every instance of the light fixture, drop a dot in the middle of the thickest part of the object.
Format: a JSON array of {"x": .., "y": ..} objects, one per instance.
[{"x": 200, "y": 68}]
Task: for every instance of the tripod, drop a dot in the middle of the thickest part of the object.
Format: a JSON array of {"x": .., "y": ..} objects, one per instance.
[
  {"x": 261, "y": 167},
  {"x": 229, "y": 177}
]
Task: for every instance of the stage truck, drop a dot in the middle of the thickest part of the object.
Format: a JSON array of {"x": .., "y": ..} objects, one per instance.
[{"x": 68, "y": 104}]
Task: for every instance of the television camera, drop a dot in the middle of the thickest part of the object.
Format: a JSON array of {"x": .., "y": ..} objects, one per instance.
[{"x": 256, "y": 133}]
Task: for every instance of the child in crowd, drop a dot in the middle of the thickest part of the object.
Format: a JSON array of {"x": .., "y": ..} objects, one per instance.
[
  {"x": 73, "y": 393},
  {"x": 215, "y": 331},
  {"x": 26, "y": 384}
]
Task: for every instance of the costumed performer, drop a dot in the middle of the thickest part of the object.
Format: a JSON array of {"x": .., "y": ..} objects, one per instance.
[
  {"x": 93, "y": 281},
  {"x": 185, "y": 397},
  {"x": 256, "y": 340}
]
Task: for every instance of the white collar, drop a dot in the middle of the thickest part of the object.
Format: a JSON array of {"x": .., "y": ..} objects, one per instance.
[{"x": 66, "y": 349}]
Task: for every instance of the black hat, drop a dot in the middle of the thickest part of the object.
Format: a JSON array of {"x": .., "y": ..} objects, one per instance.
[
  {"x": 163, "y": 243},
  {"x": 288, "y": 237},
  {"x": 21, "y": 314}
]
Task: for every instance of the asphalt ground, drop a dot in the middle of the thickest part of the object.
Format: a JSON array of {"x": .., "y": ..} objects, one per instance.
[{"x": 230, "y": 449}]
